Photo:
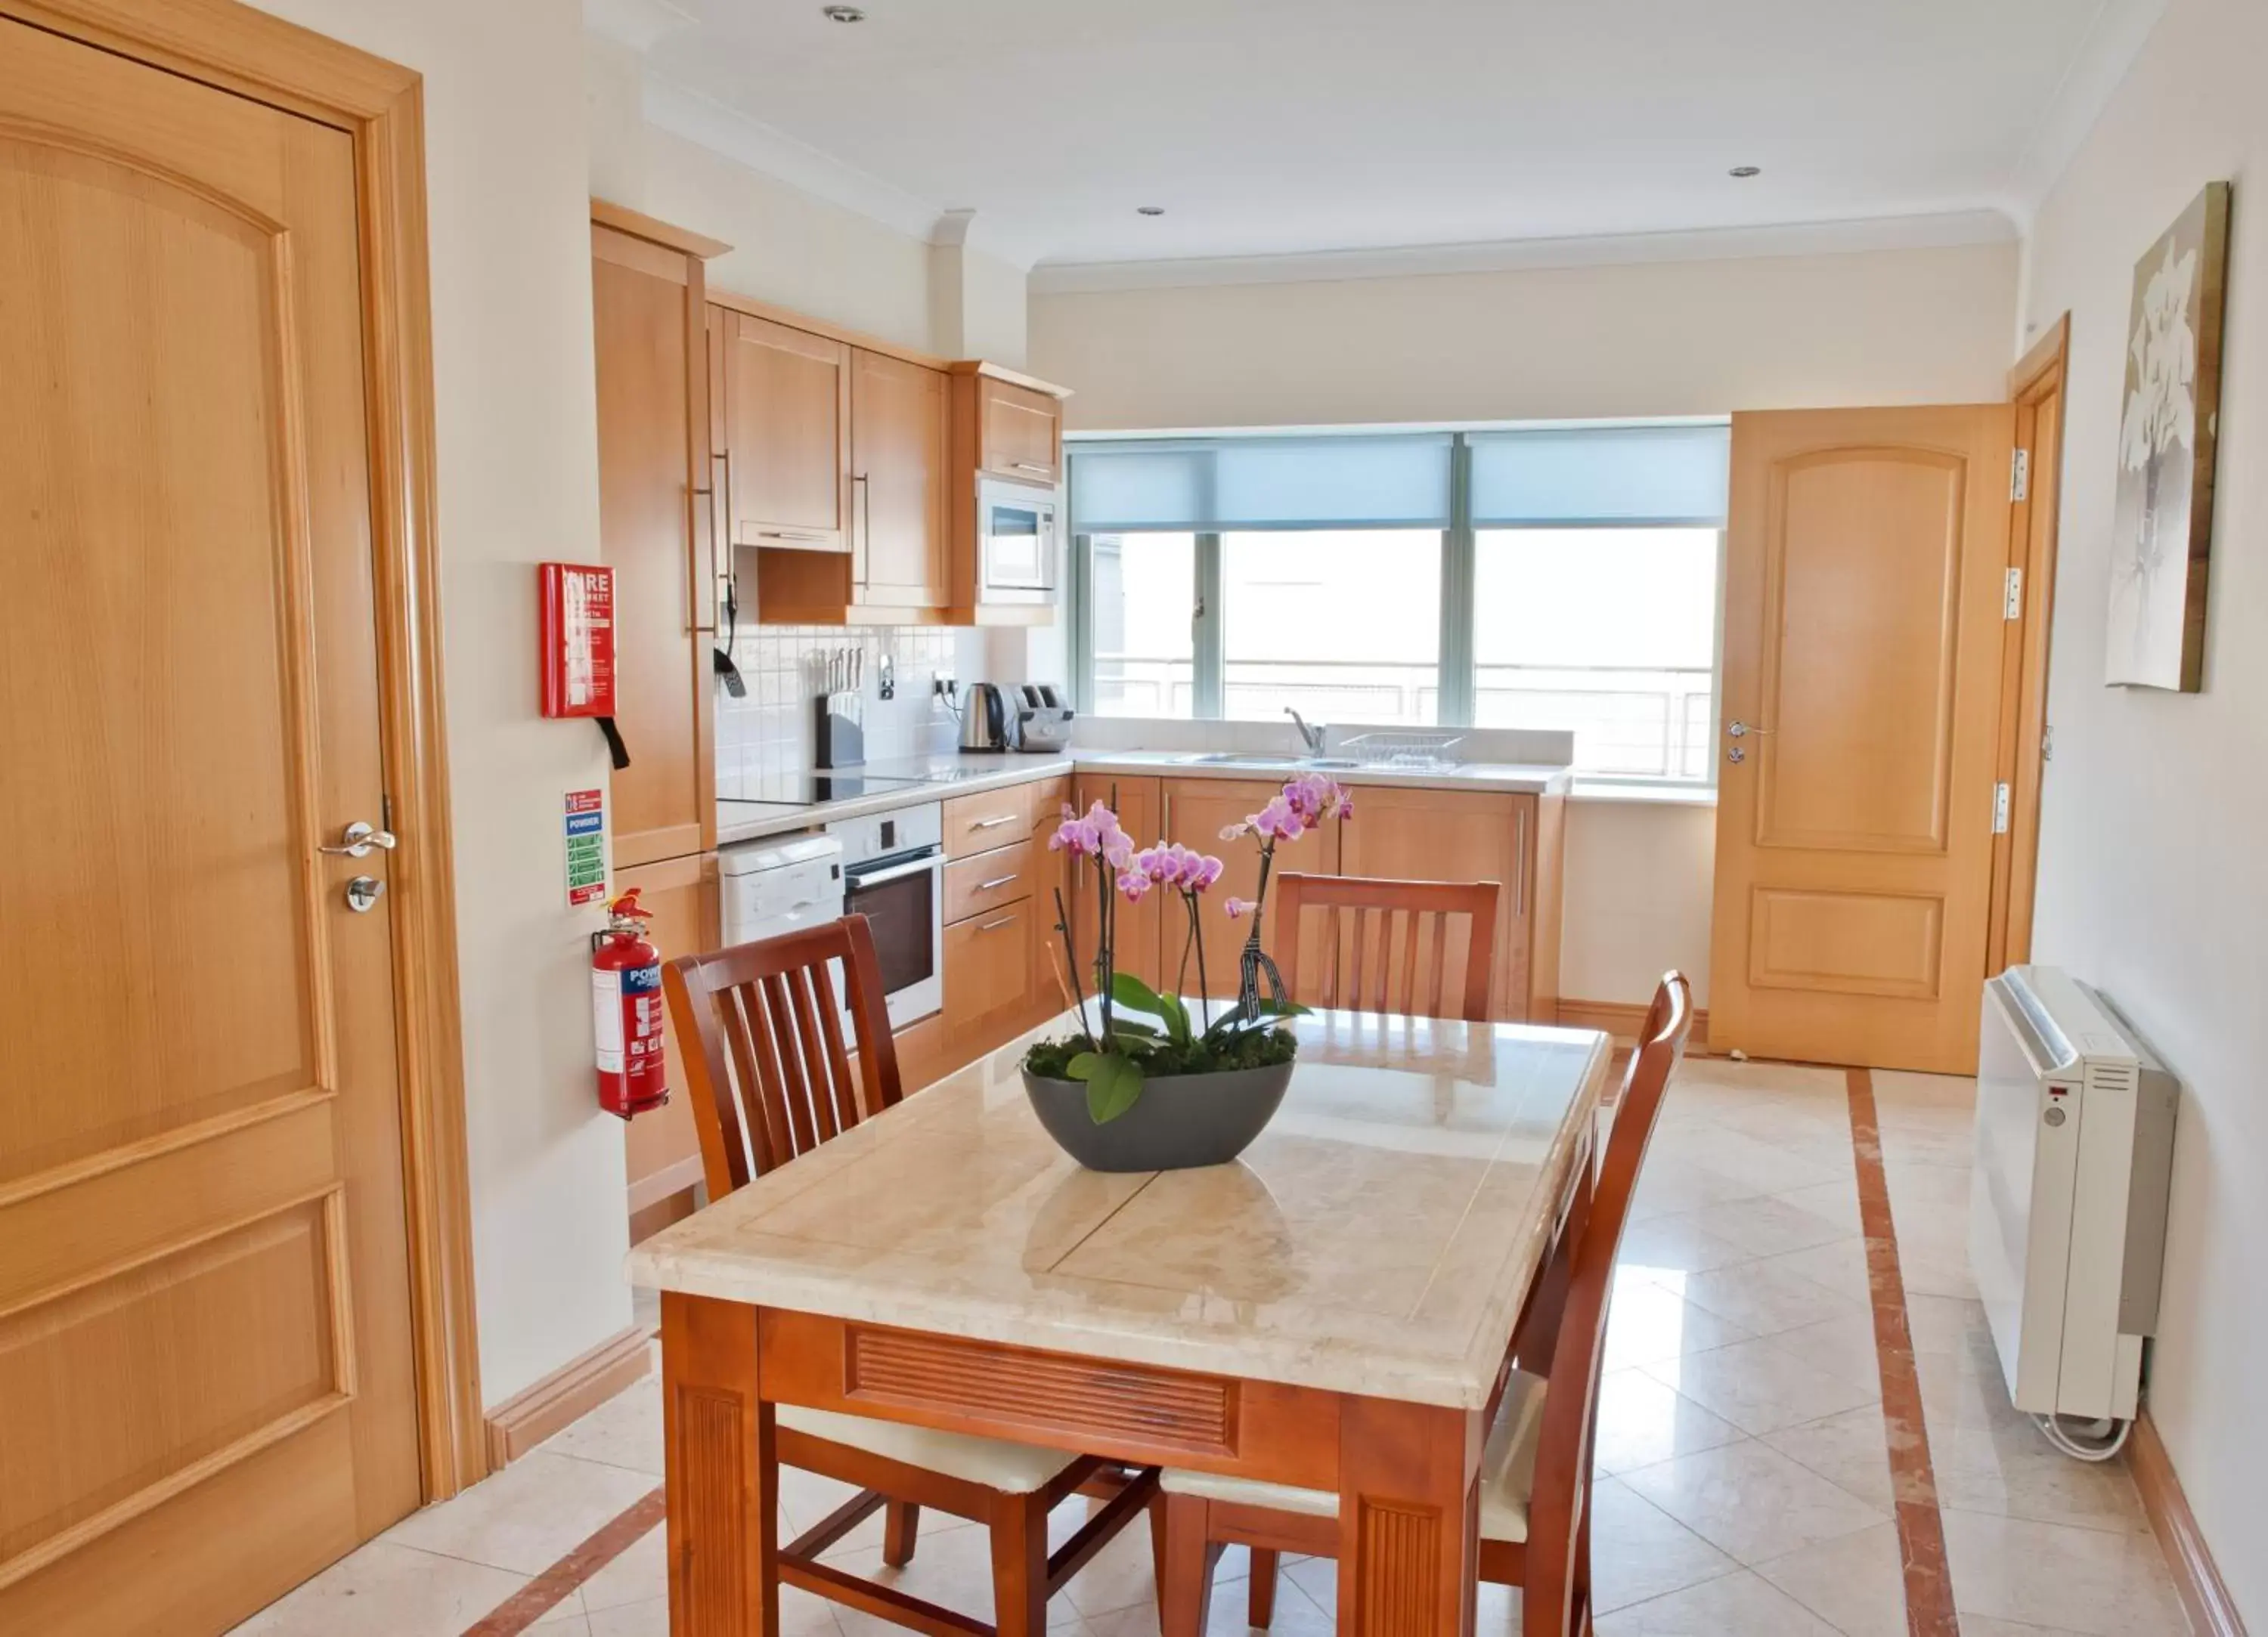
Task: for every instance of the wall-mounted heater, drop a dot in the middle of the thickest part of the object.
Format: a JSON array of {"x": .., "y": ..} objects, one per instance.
[{"x": 2067, "y": 1208}]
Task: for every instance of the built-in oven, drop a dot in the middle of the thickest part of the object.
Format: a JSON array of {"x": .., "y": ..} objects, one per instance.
[
  {"x": 893, "y": 874},
  {"x": 1018, "y": 542}
]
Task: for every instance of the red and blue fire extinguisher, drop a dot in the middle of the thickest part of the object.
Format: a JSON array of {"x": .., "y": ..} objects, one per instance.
[{"x": 627, "y": 1009}]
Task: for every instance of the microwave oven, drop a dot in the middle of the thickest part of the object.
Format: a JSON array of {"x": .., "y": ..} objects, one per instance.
[{"x": 1018, "y": 542}]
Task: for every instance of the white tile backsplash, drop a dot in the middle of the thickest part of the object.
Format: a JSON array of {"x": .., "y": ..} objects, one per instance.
[{"x": 769, "y": 733}]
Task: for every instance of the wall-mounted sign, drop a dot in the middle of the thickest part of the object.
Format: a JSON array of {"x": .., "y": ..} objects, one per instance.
[{"x": 586, "y": 847}]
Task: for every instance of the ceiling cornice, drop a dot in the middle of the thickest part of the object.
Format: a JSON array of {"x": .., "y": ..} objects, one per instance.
[
  {"x": 2113, "y": 40},
  {"x": 636, "y": 23},
  {"x": 1901, "y": 232}
]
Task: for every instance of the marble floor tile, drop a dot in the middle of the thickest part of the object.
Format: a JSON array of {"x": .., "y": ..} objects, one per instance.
[
  {"x": 527, "y": 1516},
  {"x": 1740, "y": 1602},
  {"x": 1766, "y": 1299},
  {"x": 1647, "y": 1322},
  {"x": 2016, "y": 1473},
  {"x": 639, "y": 1575},
  {"x": 1768, "y": 1225},
  {"x": 1850, "y": 1450},
  {"x": 387, "y": 1589},
  {"x": 1839, "y": 1265},
  {"x": 1674, "y": 1244},
  {"x": 2081, "y": 1580},
  {"x": 1843, "y": 1345},
  {"x": 1749, "y": 1500},
  {"x": 1638, "y": 1551},
  {"x": 1642, "y": 1422},
  {"x": 625, "y": 1431},
  {"x": 1670, "y": 1185},
  {"x": 1856, "y": 1583},
  {"x": 1759, "y": 1386}
]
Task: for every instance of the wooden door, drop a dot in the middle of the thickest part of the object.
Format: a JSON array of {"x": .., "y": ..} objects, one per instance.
[
  {"x": 1136, "y": 803},
  {"x": 652, "y": 364},
  {"x": 206, "y": 1386},
  {"x": 787, "y": 412},
  {"x": 1864, "y": 608},
  {"x": 1021, "y": 431},
  {"x": 1195, "y": 811},
  {"x": 898, "y": 460},
  {"x": 1450, "y": 835},
  {"x": 661, "y": 1150}
]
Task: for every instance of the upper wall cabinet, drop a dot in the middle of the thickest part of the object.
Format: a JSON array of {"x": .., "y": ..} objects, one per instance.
[
  {"x": 898, "y": 479},
  {"x": 786, "y": 471},
  {"x": 1017, "y": 422}
]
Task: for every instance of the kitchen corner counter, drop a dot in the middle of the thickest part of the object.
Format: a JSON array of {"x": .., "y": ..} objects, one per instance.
[{"x": 967, "y": 775}]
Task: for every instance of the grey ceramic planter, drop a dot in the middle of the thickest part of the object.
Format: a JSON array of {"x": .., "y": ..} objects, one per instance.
[{"x": 1179, "y": 1121}]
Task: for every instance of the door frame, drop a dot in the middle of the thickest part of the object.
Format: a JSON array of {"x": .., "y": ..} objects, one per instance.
[
  {"x": 380, "y": 105},
  {"x": 2037, "y": 378}
]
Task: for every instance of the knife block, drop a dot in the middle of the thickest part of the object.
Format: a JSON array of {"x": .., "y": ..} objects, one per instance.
[{"x": 838, "y": 730}]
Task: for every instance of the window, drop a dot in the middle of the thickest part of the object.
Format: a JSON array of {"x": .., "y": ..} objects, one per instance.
[{"x": 1560, "y": 578}]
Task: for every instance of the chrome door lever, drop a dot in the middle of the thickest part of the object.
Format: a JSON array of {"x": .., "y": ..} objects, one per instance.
[{"x": 357, "y": 840}]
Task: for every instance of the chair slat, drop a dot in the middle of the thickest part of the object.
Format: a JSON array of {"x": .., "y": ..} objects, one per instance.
[
  {"x": 817, "y": 1070},
  {"x": 1356, "y": 897},
  {"x": 1410, "y": 924}
]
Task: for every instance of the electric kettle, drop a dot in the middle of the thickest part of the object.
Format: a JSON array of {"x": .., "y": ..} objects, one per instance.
[{"x": 986, "y": 721}]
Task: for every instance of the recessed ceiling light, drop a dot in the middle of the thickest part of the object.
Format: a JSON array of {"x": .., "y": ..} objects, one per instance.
[
  {"x": 1744, "y": 172},
  {"x": 842, "y": 14},
  {"x": 1149, "y": 210}
]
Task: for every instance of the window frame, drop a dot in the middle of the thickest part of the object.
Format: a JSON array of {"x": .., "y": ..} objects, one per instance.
[{"x": 1457, "y": 682}]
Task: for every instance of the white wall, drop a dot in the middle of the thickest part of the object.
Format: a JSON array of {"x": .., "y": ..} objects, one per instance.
[
  {"x": 517, "y": 436},
  {"x": 2152, "y": 880},
  {"x": 1636, "y": 339},
  {"x": 1659, "y": 338}
]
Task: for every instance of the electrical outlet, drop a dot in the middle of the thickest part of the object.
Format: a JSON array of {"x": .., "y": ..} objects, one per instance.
[{"x": 942, "y": 686}]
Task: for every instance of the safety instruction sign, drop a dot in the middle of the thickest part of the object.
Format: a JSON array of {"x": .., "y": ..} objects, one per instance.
[{"x": 586, "y": 847}]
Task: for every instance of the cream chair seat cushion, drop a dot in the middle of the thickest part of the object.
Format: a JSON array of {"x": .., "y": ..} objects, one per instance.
[
  {"x": 1508, "y": 1471},
  {"x": 1016, "y": 1469}
]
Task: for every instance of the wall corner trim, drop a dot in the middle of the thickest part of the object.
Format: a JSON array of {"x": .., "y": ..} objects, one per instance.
[
  {"x": 566, "y": 1395},
  {"x": 2204, "y": 1595}
]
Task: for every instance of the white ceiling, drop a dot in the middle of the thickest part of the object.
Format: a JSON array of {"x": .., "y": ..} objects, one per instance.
[{"x": 1280, "y": 127}]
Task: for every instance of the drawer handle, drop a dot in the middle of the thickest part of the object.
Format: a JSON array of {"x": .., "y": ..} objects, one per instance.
[
  {"x": 1031, "y": 465},
  {"x": 994, "y": 824},
  {"x": 995, "y": 926},
  {"x": 997, "y": 881}
]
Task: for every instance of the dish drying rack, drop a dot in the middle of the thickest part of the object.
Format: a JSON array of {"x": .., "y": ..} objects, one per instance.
[{"x": 1422, "y": 752}]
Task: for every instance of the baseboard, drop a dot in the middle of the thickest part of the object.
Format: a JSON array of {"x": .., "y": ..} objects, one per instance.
[
  {"x": 566, "y": 1395},
  {"x": 2212, "y": 1611},
  {"x": 1623, "y": 1020}
]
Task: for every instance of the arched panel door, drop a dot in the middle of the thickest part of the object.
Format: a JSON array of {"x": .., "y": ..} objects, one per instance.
[
  {"x": 1866, "y": 558},
  {"x": 206, "y": 1388}
]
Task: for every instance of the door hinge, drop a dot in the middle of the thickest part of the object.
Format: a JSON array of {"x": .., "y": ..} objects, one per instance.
[
  {"x": 2001, "y": 808},
  {"x": 2011, "y": 604},
  {"x": 2020, "y": 475}
]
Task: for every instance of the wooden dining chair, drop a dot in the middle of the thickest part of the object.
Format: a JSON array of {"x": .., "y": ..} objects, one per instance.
[
  {"x": 1536, "y": 1467},
  {"x": 772, "y": 1078},
  {"x": 1380, "y": 972}
]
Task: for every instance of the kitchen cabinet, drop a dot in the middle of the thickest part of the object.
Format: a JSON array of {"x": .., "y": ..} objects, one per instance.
[
  {"x": 898, "y": 477},
  {"x": 1137, "y": 802},
  {"x": 1401, "y": 835},
  {"x": 661, "y": 1150},
  {"x": 1014, "y": 424},
  {"x": 999, "y": 912},
  {"x": 1050, "y": 880},
  {"x": 786, "y": 467},
  {"x": 648, "y": 318},
  {"x": 1194, "y": 813},
  {"x": 988, "y": 977},
  {"x": 988, "y": 819}
]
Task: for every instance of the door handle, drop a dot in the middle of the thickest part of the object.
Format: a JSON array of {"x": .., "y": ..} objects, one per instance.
[
  {"x": 1740, "y": 730},
  {"x": 357, "y": 840}
]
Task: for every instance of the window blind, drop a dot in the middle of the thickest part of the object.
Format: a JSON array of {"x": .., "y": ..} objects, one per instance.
[
  {"x": 1625, "y": 475},
  {"x": 1213, "y": 486}
]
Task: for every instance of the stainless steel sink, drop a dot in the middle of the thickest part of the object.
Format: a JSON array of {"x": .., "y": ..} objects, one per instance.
[{"x": 1264, "y": 758}]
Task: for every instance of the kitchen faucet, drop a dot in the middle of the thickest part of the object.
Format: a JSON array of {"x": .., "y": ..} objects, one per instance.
[{"x": 1312, "y": 738}]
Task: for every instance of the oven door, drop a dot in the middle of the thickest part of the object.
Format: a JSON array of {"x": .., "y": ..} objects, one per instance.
[
  {"x": 1017, "y": 527},
  {"x": 903, "y": 901}
]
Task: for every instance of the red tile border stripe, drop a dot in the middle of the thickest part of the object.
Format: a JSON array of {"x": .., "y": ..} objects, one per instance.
[
  {"x": 537, "y": 1598},
  {"x": 1913, "y": 1480}
]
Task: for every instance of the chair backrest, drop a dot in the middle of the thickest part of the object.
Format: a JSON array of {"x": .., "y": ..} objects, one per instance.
[
  {"x": 1390, "y": 972},
  {"x": 769, "y": 1072},
  {"x": 1562, "y": 1467}
]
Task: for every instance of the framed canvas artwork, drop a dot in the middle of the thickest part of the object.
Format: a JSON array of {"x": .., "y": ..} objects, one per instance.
[{"x": 2162, "y": 526}]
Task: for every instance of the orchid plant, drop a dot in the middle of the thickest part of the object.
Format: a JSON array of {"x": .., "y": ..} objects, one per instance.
[{"x": 1117, "y": 1055}]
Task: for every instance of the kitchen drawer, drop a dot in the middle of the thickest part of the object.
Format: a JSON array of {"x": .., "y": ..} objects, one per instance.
[
  {"x": 988, "y": 881},
  {"x": 977, "y": 824},
  {"x": 988, "y": 977}
]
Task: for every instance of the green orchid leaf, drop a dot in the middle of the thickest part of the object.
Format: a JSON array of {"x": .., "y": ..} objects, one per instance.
[
  {"x": 1121, "y": 1024},
  {"x": 1084, "y": 1066},
  {"x": 1113, "y": 1088},
  {"x": 1126, "y": 989}
]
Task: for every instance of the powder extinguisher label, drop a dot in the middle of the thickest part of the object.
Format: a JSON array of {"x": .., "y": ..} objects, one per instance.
[{"x": 607, "y": 1015}]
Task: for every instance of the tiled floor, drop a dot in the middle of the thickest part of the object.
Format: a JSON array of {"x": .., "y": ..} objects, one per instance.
[{"x": 1746, "y": 1486}]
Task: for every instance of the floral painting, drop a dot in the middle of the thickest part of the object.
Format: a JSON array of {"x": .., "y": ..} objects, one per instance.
[{"x": 2163, "y": 524}]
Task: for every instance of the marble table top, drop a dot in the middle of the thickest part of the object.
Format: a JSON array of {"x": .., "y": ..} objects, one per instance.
[{"x": 1379, "y": 1238}]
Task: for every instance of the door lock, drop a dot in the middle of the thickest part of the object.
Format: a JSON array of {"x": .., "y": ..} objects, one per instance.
[
  {"x": 1737, "y": 754},
  {"x": 362, "y": 893}
]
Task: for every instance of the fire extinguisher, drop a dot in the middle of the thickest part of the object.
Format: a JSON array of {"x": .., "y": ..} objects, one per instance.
[{"x": 627, "y": 1007}]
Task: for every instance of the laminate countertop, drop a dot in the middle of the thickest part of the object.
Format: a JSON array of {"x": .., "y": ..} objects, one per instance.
[{"x": 944, "y": 776}]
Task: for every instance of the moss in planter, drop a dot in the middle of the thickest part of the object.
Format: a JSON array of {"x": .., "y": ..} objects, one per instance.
[{"x": 1250, "y": 1048}]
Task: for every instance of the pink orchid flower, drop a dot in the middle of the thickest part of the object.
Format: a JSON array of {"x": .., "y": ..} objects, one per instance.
[
  {"x": 1239, "y": 907},
  {"x": 1201, "y": 872},
  {"x": 1279, "y": 820},
  {"x": 1134, "y": 885}
]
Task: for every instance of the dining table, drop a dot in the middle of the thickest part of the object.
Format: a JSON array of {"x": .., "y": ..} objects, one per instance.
[{"x": 1333, "y": 1311}]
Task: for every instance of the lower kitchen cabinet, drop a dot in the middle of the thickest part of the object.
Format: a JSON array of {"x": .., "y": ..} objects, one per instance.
[
  {"x": 1138, "y": 801},
  {"x": 924, "y": 1053},
  {"x": 988, "y": 977},
  {"x": 1194, "y": 812},
  {"x": 662, "y": 1152}
]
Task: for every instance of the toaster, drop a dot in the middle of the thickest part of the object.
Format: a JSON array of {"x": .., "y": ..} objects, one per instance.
[{"x": 1042, "y": 720}]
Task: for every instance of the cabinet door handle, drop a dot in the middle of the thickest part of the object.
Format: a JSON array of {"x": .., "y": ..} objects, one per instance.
[
  {"x": 862, "y": 502},
  {"x": 1031, "y": 465},
  {"x": 993, "y": 823},
  {"x": 997, "y": 881},
  {"x": 1519, "y": 864},
  {"x": 995, "y": 926}
]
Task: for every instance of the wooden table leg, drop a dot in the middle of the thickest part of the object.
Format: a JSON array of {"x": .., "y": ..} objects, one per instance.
[
  {"x": 1409, "y": 1519},
  {"x": 723, "y": 1472}
]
